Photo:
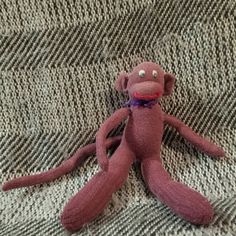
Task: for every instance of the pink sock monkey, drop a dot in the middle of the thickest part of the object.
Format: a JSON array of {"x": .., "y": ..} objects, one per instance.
[{"x": 141, "y": 140}]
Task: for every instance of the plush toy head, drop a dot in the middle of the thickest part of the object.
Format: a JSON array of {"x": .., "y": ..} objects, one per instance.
[{"x": 147, "y": 81}]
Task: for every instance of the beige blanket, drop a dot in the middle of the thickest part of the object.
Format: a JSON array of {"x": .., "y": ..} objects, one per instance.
[{"x": 58, "y": 63}]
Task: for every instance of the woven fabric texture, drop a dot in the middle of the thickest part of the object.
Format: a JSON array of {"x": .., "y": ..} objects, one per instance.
[{"x": 58, "y": 63}]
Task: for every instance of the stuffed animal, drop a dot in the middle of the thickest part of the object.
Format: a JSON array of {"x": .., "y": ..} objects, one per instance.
[{"x": 141, "y": 141}]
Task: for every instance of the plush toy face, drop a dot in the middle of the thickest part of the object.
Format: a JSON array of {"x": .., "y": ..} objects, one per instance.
[{"x": 147, "y": 81}]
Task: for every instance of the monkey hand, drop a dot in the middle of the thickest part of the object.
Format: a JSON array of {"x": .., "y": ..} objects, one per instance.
[
  {"x": 215, "y": 150},
  {"x": 104, "y": 163},
  {"x": 201, "y": 143},
  {"x": 102, "y": 158}
]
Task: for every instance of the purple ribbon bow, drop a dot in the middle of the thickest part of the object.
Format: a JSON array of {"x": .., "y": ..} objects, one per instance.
[{"x": 140, "y": 102}]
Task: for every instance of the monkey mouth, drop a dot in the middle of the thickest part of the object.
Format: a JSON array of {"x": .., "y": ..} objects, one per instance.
[{"x": 153, "y": 96}]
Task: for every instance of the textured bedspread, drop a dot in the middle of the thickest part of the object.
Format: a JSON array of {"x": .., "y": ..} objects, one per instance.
[{"x": 58, "y": 63}]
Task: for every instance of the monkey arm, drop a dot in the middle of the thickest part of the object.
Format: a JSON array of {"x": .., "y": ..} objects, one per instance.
[
  {"x": 195, "y": 139},
  {"x": 112, "y": 122}
]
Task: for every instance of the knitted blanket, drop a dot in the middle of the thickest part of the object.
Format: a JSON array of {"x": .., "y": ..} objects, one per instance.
[{"x": 58, "y": 63}]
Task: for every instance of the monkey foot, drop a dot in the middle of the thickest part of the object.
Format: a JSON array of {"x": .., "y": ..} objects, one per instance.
[
  {"x": 187, "y": 203},
  {"x": 182, "y": 200},
  {"x": 88, "y": 202}
]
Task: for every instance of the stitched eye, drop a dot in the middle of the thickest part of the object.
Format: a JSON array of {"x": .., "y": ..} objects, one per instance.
[
  {"x": 154, "y": 74},
  {"x": 141, "y": 73}
]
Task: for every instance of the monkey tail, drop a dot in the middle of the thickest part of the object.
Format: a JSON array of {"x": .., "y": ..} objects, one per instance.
[{"x": 66, "y": 167}]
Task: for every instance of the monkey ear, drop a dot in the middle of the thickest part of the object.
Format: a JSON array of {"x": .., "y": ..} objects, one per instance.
[
  {"x": 169, "y": 81},
  {"x": 121, "y": 82}
]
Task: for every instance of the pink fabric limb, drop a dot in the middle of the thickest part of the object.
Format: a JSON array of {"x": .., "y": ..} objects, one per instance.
[
  {"x": 182, "y": 200},
  {"x": 195, "y": 139},
  {"x": 90, "y": 201},
  {"x": 66, "y": 167},
  {"x": 111, "y": 123}
]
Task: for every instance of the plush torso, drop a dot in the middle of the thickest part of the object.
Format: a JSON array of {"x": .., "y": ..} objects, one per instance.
[{"x": 144, "y": 130}]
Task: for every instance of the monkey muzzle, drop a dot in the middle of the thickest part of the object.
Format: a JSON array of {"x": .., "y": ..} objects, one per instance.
[{"x": 147, "y": 90}]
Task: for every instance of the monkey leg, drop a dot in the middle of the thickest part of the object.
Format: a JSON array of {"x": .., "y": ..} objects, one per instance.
[
  {"x": 182, "y": 200},
  {"x": 96, "y": 194}
]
